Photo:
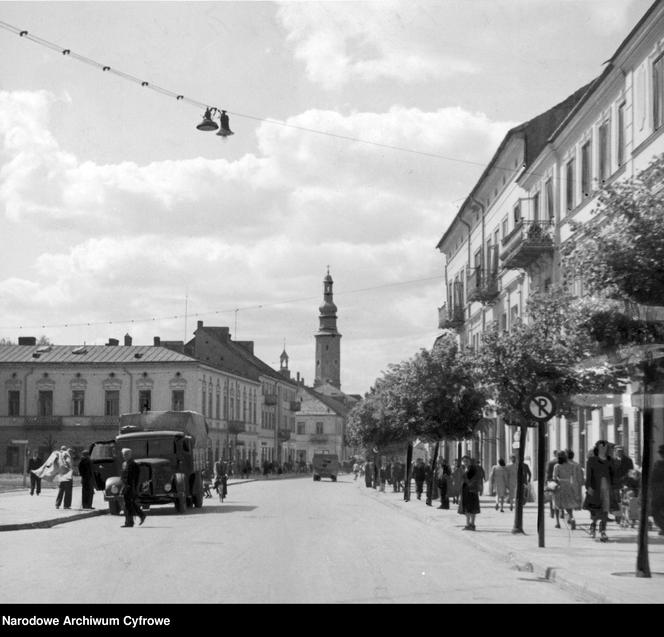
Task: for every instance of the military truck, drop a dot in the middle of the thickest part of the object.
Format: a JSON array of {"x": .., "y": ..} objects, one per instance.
[
  {"x": 170, "y": 448},
  {"x": 325, "y": 465}
]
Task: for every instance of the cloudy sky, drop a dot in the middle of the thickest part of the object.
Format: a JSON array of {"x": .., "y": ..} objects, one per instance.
[{"x": 359, "y": 129}]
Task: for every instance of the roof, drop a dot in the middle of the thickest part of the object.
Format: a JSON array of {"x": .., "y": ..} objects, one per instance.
[
  {"x": 535, "y": 133},
  {"x": 334, "y": 404},
  {"x": 90, "y": 354}
]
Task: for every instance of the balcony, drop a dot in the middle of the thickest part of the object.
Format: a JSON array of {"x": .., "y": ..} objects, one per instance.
[
  {"x": 283, "y": 435},
  {"x": 318, "y": 438},
  {"x": 269, "y": 399},
  {"x": 43, "y": 422},
  {"x": 482, "y": 285},
  {"x": 526, "y": 243},
  {"x": 450, "y": 319},
  {"x": 236, "y": 426},
  {"x": 105, "y": 422},
  {"x": 295, "y": 405}
]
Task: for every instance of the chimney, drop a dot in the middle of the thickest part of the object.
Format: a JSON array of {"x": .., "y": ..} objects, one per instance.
[
  {"x": 127, "y": 340},
  {"x": 113, "y": 342},
  {"x": 157, "y": 341},
  {"x": 27, "y": 340},
  {"x": 199, "y": 325}
]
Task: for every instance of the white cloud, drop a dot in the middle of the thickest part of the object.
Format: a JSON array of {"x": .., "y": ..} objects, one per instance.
[{"x": 343, "y": 42}]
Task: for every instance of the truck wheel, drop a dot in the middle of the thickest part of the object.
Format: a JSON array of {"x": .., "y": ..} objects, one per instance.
[
  {"x": 114, "y": 507},
  {"x": 334, "y": 478},
  {"x": 197, "y": 492},
  {"x": 180, "y": 503}
]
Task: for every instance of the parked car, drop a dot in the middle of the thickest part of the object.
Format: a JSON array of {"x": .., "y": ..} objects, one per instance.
[{"x": 325, "y": 465}]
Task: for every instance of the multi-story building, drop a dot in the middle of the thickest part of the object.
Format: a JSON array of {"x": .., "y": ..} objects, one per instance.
[
  {"x": 74, "y": 395},
  {"x": 505, "y": 242}
]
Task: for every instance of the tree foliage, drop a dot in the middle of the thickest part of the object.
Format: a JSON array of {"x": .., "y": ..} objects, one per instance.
[
  {"x": 433, "y": 396},
  {"x": 620, "y": 251}
]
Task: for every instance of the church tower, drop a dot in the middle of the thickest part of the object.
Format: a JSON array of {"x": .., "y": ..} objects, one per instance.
[{"x": 328, "y": 340}]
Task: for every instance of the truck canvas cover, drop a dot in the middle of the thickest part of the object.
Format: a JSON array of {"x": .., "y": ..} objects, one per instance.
[{"x": 190, "y": 422}]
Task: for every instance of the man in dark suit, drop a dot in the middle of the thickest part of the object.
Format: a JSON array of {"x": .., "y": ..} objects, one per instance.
[
  {"x": 35, "y": 481},
  {"x": 87, "y": 480},
  {"x": 129, "y": 477}
]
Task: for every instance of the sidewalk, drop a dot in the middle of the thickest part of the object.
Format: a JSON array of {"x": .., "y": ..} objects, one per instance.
[{"x": 597, "y": 572}]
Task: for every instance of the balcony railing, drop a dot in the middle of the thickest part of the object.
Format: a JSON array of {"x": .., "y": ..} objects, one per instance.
[
  {"x": 482, "y": 285},
  {"x": 318, "y": 438},
  {"x": 451, "y": 318},
  {"x": 527, "y": 243},
  {"x": 43, "y": 422},
  {"x": 295, "y": 405},
  {"x": 270, "y": 399}
]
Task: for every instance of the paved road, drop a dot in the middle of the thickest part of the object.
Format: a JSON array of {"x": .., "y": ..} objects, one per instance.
[{"x": 287, "y": 541}]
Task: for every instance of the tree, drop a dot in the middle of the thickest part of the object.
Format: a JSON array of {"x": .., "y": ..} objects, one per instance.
[
  {"x": 620, "y": 251},
  {"x": 544, "y": 354},
  {"x": 619, "y": 254}
]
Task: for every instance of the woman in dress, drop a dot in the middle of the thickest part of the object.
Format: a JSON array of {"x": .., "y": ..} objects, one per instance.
[
  {"x": 471, "y": 484},
  {"x": 564, "y": 497},
  {"x": 599, "y": 488},
  {"x": 499, "y": 483}
]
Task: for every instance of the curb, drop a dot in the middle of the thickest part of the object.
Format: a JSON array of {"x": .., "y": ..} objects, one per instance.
[{"x": 47, "y": 524}]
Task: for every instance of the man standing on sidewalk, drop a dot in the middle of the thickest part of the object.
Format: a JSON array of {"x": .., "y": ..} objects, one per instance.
[
  {"x": 35, "y": 481},
  {"x": 87, "y": 480},
  {"x": 129, "y": 477},
  {"x": 65, "y": 478}
]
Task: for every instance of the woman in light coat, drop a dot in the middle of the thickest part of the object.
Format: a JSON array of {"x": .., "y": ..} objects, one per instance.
[{"x": 499, "y": 483}]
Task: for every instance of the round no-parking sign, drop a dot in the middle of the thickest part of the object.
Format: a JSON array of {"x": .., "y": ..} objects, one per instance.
[{"x": 541, "y": 406}]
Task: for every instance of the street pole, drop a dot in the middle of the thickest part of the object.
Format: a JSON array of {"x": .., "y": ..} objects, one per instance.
[
  {"x": 409, "y": 460},
  {"x": 541, "y": 434}
]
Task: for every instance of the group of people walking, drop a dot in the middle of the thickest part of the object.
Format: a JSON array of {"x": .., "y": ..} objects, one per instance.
[{"x": 607, "y": 485}]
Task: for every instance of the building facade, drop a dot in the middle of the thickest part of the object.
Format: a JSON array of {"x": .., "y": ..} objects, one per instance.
[{"x": 506, "y": 240}]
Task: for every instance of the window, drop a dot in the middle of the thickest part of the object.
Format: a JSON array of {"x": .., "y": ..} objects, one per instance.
[
  {"x": 45, "y": 405},
  {"x": 319, "y": 427},
  {"x": 203, "y": 399},
  {"x": 570, "y": 169},
  {"x": 14, "y": 403},
  {"x": 12, "y": 457},
  {"x": 505, "y": 227},
  {"x": 604, "y": 151},
  {"x": 586, "y": 169},
  {"x": 550, "y": 209},
  {"x": 517, "y": 213},
  {"x": 658, "y": 92},
  {"x": 112, "y": 403},
  {"x": 77, "y": 402},
  {"x": 177, "y": 400},
  {"x": 621, "y": 134},
  {"x": 217, "y": 403},
  {"x": 145, "y": 400},
  {"x": 536, "y": 207},
  {"x": 503, "y": 322},
  {"x": 300, "y": 427},
  {"x": 514, "y": 314}
]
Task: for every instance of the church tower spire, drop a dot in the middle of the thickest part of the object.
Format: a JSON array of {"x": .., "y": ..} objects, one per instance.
[{"x": 328, "y": 339}]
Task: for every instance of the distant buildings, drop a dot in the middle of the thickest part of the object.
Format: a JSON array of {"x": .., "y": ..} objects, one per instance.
[{"x": 67, "y": 394}]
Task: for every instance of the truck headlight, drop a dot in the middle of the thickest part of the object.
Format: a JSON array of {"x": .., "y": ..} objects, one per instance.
[{"x": 167, "y": 487}]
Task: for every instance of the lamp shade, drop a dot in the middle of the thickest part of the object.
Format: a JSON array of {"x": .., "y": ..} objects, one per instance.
[{"x": 207, "y": 124}]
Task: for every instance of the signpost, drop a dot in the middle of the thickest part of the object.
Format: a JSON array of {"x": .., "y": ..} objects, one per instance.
[{"x": 540, "y": 407}]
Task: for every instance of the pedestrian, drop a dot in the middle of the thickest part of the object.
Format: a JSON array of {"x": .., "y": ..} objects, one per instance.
[
  {"x": 368, "y": 474},
  {"x": 221, "y": 479},
  {"x": 469, "y": 500},
  {"x": 549, "y": 478},
  {"x": 454, "y": 483},
  {"x": 398, "y": 471},
  {"x": 87, "y": 480},
  {"x": 419, "y": 475},
  {"x": 246, "y": 468},
  {"x": 129, "y": 475},
  {"x": 442, "y": 478},
  {"x": 34, "y": 463},
  {"x": 657, "y": 491},
  {"x": 599, "y": 488},
  {"x": 65, "y": 478},
  {"x": 622, "y": 465},
  {"x": 578, "y": 479},
  {"x": 564, "y": 497},
  {"x": 499, "y": 483},
  {"x": 356, "y": 469}
]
